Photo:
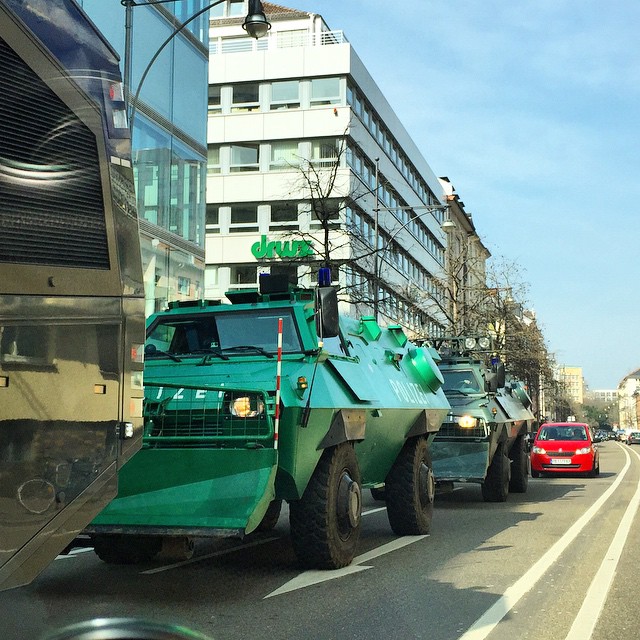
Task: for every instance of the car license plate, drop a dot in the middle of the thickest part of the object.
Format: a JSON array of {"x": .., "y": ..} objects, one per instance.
[{"x": 560, "y": 460}]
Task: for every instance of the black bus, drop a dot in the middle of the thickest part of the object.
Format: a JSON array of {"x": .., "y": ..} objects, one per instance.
[{"x": 71, "y": 290}]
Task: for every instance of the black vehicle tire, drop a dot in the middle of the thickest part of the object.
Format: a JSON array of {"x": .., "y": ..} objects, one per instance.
[
  {"x": 495, "y": 487},
  {"x": 410, "y": 489},
  {"x": 119, "y": 549},
  {"x": 534, "y": 473},
  {"x": 378, "y": 494},
  {"x": 519, "y": 466},
  {"x": 271, "y": 516},
  {"x": 596, "y": 469},
  {"x": 325, "y": 523}
]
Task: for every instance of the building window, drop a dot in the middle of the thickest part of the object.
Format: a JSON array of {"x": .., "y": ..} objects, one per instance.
[
  {"x": 213, "y": 218},
  {"x": 245, "y": 97},
  {"x": 184, "y": 284},
  {"x": 236, "y": 8},
  {"x": 245, "y": 157},
  {"x": 285, "y": 95},
  {"x": 324, "y": 151},
  {"x": 213, "y": 159},
  {"x": 284, "y": 216},
  {"x": 215, "y": 104},
  {"x": 326, "y": 214},
  {"x": 244, "y": 218},
  {"x": 284, "y": 155},
  {"x": 244, "y": 274},
  {"x": 325, "y": 91}
]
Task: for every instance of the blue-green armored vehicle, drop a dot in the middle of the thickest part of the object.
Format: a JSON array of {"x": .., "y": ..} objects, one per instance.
[
  {"x": 276, "y": 397},
  {"x": 483, "y": 437}
]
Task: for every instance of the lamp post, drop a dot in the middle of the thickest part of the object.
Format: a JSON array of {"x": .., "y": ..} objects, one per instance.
[{"x": 255, "y": 24}]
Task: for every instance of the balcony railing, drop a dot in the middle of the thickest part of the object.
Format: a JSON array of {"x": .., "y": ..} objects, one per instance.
[{"x": 275, "y": 40}]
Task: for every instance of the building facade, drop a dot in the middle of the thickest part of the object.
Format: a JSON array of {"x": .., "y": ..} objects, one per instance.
[
  {"x": 465, "y": 280},
  {"x": 168, "y": 136},
  {"x": 572, "y": 382},
  {"x": 309, "y": 166},
  {"x": 629, "y": 401}
]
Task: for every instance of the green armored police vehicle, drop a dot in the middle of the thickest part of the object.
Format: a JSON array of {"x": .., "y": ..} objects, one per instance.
[
  {"x": 483, "y": 438},
  {"x": 275, "y": 397}
]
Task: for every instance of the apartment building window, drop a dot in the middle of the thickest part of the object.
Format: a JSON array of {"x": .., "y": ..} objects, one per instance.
[
  {"x": 245, "y": 157},
  {"x": 285, "y": 95},
  {"x": 284, "y": 216},
  {"x": 244, "y": 218},
  {"x": 215, "y": 103},
  {"x": 284, "y": 155},
  {"x": 213, "y": 159},
  {"x": 245, "y": 97},
  {"x": 324, "y": 151},
  {"x": 212, "y": 221},
  {"x": 325, "y": 91}
]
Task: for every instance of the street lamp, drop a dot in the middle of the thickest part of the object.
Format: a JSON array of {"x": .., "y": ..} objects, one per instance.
[{"x": 255, "y": 24}]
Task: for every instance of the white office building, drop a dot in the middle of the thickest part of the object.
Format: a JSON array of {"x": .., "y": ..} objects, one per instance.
[{"x": 300, "y": 137}]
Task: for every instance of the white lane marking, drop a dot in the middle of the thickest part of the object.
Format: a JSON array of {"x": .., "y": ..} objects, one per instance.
[
  {"x": 594, "y": 602},
  {"x": 308, "y": 578},
  {"x": 224, "y": 552},
  {"x": 74, "y": 552},
  {"x": 378, "y": 509},
  {"x": 488, "y": 621}
]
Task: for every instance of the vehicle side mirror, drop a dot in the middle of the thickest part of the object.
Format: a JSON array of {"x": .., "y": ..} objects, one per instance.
[
  {"x": 491, "y": 382},
  {"x": 327, "y": 318},
  {"x": 500, "y": 374}
]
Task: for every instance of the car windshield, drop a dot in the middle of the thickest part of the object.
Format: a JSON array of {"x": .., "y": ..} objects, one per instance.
[
  {"x": 562, "y": 433},
  {"x": 463, "y": 380},
  {"x": 228, "y": 333}
]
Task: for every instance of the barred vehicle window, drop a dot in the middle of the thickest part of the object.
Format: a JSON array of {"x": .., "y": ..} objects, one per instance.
[{"x": 52, "y": 201}]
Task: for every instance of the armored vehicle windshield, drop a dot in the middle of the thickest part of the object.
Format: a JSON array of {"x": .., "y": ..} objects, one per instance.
[
  {"x": 462, "y": 380},
  {"x": 254, "y": 330}
]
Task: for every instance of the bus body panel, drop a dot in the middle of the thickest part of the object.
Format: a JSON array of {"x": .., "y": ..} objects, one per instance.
[{"x": 71, "y": 287}]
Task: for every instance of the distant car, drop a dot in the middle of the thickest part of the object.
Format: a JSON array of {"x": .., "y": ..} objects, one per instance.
[
  {"x": 634, "y": 437},
  {"x": 564, "y": 447},
  {"x": 622, "y": 435}
]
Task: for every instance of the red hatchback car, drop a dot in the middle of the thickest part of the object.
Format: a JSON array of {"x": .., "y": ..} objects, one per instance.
[{"x": 564, "y": 447}]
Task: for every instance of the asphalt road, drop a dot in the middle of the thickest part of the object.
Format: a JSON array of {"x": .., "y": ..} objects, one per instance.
[{"x": 557, "y": 562}]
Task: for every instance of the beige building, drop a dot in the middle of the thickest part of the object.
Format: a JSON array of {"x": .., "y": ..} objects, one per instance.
[{"x": 573, "y": 382}]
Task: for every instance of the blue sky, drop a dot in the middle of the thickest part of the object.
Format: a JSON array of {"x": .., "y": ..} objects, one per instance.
[{"x": 531, "y": 109}]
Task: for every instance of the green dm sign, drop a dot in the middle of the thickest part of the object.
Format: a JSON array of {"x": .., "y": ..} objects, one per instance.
[{"x": 282, "y": 249}]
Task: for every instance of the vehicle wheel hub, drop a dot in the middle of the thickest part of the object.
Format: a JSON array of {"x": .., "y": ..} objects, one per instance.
[
  {"x": 349, "y": 504},
  {"x": 427, "y": 484}
]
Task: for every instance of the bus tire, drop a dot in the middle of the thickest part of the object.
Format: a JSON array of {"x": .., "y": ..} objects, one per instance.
[
  {"x": 325, "y": 523},
  {"x": 410, "y": 489}
]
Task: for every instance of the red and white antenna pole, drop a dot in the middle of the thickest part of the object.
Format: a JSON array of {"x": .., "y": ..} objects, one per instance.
[{"x": 276, "y": 427}]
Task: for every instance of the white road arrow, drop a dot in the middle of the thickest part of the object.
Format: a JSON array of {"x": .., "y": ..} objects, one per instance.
[{"x": 308, "y": 578}]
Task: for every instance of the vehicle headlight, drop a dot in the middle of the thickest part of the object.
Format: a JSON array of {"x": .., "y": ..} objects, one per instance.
[
  {"x": 247, "y": 406},
  {"x": 583, "y": 450},
  {"x": 467, "y": 422},
  {"x": 538, "y": 450},
  {"x": 469, "y": 343}
]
